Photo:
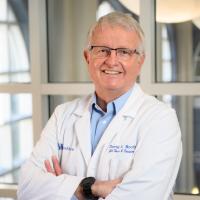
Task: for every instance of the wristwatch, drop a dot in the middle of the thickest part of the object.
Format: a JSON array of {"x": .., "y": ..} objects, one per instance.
[{"x": 86, "y": 185}]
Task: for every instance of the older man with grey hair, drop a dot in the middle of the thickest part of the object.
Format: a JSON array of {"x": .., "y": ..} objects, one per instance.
[{"x": 115, "y": 144}]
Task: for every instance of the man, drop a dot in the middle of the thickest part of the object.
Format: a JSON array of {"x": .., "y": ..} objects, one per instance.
[{"x": 118, "y": 143}]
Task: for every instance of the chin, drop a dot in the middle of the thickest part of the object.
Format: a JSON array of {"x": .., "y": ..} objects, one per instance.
[{"x": 114, "y": 89}]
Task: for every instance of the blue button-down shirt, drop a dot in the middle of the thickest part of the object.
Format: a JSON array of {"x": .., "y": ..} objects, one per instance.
[{"x": 100, "y": 119}]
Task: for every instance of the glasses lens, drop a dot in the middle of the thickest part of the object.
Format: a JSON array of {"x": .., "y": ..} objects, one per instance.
[
  {"x": 101, "y": 52},
  {"x": 124, "y": 53}
]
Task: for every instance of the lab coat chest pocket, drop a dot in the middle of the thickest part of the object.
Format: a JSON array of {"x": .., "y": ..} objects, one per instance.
[{"x": 121, "y": 159}]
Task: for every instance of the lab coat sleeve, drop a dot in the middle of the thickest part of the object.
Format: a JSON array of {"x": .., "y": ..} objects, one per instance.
[
  {"x": 35, "y": 183},
  {"x": 156, "y": 161}
]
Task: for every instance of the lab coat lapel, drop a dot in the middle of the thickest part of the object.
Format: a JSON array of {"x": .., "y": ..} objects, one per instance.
[
  {"x": 118, "y": 124},
  {"x": 124, "y": 117},
  {"x": 82, "y": 130}
]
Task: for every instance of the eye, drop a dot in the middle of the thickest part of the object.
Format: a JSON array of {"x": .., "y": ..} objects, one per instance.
[
  {"x": 124, "y": 51},
  {"x": 103, "y": 50}
]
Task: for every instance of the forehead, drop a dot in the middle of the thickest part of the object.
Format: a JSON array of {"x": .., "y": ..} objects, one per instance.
[{"x": 114, "y": 36}]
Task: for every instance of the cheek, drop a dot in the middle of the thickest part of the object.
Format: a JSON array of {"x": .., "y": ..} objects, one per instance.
[
  {"x": 93, "y": 69},
  {"x": 136, "y": 70},
  {"x": 133, "y": 70},
  {"x": 94, "y": 66},
  {"x": 137, "y": 67}
]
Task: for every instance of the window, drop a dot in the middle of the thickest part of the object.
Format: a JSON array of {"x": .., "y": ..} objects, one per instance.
[
  {"x": 177, "y": 60},
  {"x": 15, "y": 109},
  {"x": 14, "y": 63}
]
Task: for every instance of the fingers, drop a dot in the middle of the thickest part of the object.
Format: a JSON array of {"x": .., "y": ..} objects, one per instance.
[
  {"x": 104, "y": 188},
  {"x": 56, "y": 166},
  {"x": 56, "y": 170},
  {"x": 117, "y": 180},
  {"x": 48, "y": 167}
]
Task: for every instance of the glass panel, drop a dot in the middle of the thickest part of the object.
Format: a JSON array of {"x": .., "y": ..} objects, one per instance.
[
  {"x": 15, "y": 134},
  {"x": 59, "y": 99},
  {"x": 14, "y": 40},
  {"x": 67, "y": 33},
  {"x": 104, "y": 8},
  {"x": 177, "y": 41},
  {"x": 3, "y": 8},
  {"x": 188, "y": 112}
]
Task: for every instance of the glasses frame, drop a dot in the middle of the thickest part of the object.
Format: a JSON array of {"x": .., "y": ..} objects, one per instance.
[{"x": 132, "y": 51}]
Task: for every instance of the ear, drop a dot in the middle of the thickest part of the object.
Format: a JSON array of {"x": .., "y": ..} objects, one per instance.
[
  {"x": 140, "y": 62},
  {"x": 86, "y": 56},
  {"x": 141, "y": 59}
]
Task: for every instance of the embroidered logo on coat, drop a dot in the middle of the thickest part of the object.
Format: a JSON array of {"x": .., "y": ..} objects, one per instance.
[
  {"x": 125, "y": 148},
  {"x": 62, "y": 147}
]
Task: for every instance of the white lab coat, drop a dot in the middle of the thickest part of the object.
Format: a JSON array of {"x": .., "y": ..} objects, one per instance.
[{"x": 142, "y": 144}]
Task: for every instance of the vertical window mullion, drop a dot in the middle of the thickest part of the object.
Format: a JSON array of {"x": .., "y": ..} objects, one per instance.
[{"x": 147, "y": 21}]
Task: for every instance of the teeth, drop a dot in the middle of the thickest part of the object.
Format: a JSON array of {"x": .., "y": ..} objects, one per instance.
[{"x": 111, "y": 72}]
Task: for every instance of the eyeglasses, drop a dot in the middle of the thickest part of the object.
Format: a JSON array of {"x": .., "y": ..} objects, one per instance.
[{"x": 104, "y": 52}]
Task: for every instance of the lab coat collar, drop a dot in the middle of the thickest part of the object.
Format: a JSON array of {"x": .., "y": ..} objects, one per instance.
[
  {"x": 133, "y": 103},
  {"x": 129, "y": 109},
  {"x": 83, "y": 106}
]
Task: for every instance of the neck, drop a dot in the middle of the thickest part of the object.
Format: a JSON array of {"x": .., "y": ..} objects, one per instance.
[
  {"x": 103, "y": 98},
  {"x": 102, "y": 103}
]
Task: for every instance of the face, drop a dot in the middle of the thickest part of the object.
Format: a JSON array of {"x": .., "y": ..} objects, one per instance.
[{"x": 111, "y": 74}]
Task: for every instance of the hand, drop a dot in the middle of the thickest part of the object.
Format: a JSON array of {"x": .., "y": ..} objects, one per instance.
[
  {"x": 58, "y": 171},
  {"x": 104, "y": 188},
  {"x": 56, "y": 166}
]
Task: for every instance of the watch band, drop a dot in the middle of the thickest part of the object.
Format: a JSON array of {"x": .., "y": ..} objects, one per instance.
[{"x": 86, "y": 185}]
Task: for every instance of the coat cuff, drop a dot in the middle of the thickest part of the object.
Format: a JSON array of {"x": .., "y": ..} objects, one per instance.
[{"x": 68, "y": 186}]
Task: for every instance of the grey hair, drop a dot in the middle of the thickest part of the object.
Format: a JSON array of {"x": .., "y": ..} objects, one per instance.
[{"x": 119, "y": 19}]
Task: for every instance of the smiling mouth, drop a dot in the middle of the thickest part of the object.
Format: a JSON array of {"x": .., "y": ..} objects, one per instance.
[{"x": 111, "y": 72}]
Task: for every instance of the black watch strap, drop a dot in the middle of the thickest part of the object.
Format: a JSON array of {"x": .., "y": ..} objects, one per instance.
[{"x": 86, "y": 185}]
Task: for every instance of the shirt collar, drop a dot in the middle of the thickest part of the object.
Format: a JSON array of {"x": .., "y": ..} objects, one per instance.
[{"x": 113, "y": 106}]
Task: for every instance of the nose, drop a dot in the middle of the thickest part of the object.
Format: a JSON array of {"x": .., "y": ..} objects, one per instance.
[{"x": 112, "y": 58}]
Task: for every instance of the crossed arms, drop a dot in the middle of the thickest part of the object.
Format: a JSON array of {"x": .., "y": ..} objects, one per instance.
[{"x": 99, "y": 188}]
